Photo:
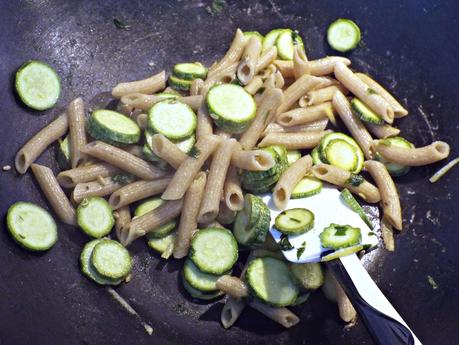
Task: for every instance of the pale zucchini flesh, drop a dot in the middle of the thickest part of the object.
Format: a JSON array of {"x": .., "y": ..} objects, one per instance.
[
  {"x": 190, "y": 71},
  {"x": 343, "y": 35},
  {"x": 307, "y": 186},
  {"x": 95, "y": 217},
  {"x": 113, "y": 127},
  {"x": 111, "y": 260}
]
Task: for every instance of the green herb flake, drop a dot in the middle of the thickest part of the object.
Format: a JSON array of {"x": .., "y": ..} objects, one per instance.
[
  {"x": 355, "y": 180},
  {"x": 300, "y": 250},
  {"x": 340, "y": 230},
  {"x": 284, "y": 243},
  {"x": 372, "y": 91},
  {"x": 216, "y": 7},
  {"x": 295, "y": 35},
  {"x": 120, "y": 25},
  {"x": 432, "y": 282},
  {"x": 123, "y": 178},
  {"x": 194, "y": 152}
]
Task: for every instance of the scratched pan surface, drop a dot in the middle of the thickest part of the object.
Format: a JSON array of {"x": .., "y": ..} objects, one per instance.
[{"x": 412, "y": 47}]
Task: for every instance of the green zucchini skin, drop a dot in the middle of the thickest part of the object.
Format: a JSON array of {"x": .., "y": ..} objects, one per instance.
[
  {"x": 161, "y": 244},
  {"x": 322, "y": 151},
  {"x": 294, "y": 221},
  {"x": 337, "y": 236},
  {"x": 308, "y": 186},
  {"x": 365, "y": 113},
  {"x": 199, "y": 280},
  {"x": 195, "y": 293},
  {"x": 189, "y": 71},
  {"x": 394, "y": 169},
  {"x": 63, "y": 153},
  {"x": 179, "y": 84},
  {"x": 111, "y": 260}
]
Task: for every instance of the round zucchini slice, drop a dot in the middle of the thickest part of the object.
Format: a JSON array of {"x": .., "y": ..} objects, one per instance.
[
  {"x": 113, "y": 127},
  {"x": 95, "y": 216},
  {"x": 111, "y": 260}
]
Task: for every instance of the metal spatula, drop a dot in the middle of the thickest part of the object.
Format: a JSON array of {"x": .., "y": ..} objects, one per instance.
[{"x": 382, "y": 320}]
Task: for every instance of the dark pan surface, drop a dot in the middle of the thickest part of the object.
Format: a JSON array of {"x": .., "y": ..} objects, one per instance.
[{"x": 410, "y": 46}]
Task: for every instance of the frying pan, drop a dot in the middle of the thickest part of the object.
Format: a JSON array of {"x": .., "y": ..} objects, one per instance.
[{"x": 410, "y": 46}]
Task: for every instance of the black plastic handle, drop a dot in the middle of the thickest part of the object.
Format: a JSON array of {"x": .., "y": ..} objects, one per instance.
[{"x": 384, "y": 329}]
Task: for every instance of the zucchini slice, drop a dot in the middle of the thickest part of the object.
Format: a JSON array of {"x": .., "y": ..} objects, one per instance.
[
  {"x": 310, "y": 275},
  {"x": 38, "y": 85},
  {"x": 343, "y": 154},
  {"x": 87, "y": 268},
  {"x": 63, "y": 153},
  {"x": 293, "y": 156},
  {"x": 337, "y": 236},
  {"x": 285, "y": 43},
  {"x": 31, "y": 226},
  {"x": 173, "y": 119},
  {"x": 307, "y": 186},
  {"x": 294, "y": 221},
  {"x": 199, "y": 280},
  {"x": 214, "y": 250},
  {"x": 302, "y": 298},
  {"x": 113, "y": 127},
  {"x": 95, "y": 216},
  {"x": 189, "y": 71},
  {"x": 350, "y": 201},
  {"x": 179, "y": 84},
  {"x": 315, "y": 155},
  {"x": 195, "y": 293},
  {"x": 365, "y": 113},
  {"x": 271, "y": 38},
  {"x": 161, "y": 244},
  {"x": 269, "y": 280},
  {"x": 393, "y": 168},
  {"x": 232, "y": 108},
  {"x": 149, "y": 205},
  {"x": 111, "y": 260},
  {"x": 343, "y": 35}
]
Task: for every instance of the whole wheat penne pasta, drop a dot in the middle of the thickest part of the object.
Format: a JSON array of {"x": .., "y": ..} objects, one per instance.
[
  {"x": 382, "y": 131},
  {"x": 346, "y": 310},
  {"x": 204, "y": 122},
  {"x": 268, "y": 71},
  {"x": 221, "y": 160},
  {"x": 225, "y": 214},
  {"x": 187, "y": 171},
  {"x": 70, "y": 178},
  {"x": 341, "y": 178},
  {"x": 125, "y": 109},
  {"x": 233, "y": 54},
  {"x": 123, "y": 160},
  {"x": 150, "y": 221},
  {"x": 168, "y": 151},
  {"x": 170, "y": 90},
  {"x": 289, "y": 179},
  {"x": 136, "y": 191},
  {"x": 139, "y": 100},
  {"x": 122, "y": 218},
  {"x": 232, "y": 191},
  {"x": 301, "y": 116},
  {"x": 282, "y": 316},
  {"x": 399, "y": 110},
  {"x": 224, "y": 75},
  {"x": 389, "y": 195},
  {"x": 353, "y": 124},
  {"x": 147, "y": 86},
  {"x": 247, "y": 66},
  {"x": 300, "y": 62},
  {"x": 255, "y": 85},
  {"x": 231, "y": 311},
  {"x": 39, "y": 142},
  {"x": 253, "y": 160},
  {"x": 101, "y": 187},
  {"x": 387, "y": 234},
  {"x": 299, "y": 140},
  {"x": 361, "y": 90},
  {"x": 54, "y": 194},
  {"x": 232, "y": 286},
  {"x": 299, "y": 88},
  {"x": 266, "y": 111},
  {"x": 429, "y": 154},
  {"x": 135, "y": 150},
  {"x": 222, "y": 134},
  {"x": 193, "y": 101},
  {"x": 142, "y": 120},
  {"x": 322, "y": 95},
  {"x": 75, "y": 113},
  {"x": 317, "y": 68},
  {"x": 196, "y": 85},
  {"x": 314, "y": 126},
  {"x": 265, "y": 59},
  {"x": 189, "y": 217}
]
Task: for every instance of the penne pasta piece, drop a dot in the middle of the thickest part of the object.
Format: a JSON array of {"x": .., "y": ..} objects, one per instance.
[
  {"x": 139, "y": 101},
  {"x": 150, "y": 221},
  {"x": 399, "y": 110},
  {"x": 382, "y": 131},
  {"x": 187, "y": 171},
  {"x": 77, "y": 120},
  {"x": 221, "y": 160},
  {"x": 141, "y": 120},
  {"x": 193, "y": 101},
  {"x": 196, "y": 86},
  {"x": 189, "y": 217},
  {"x": 301, "y": 116},
  {"x": 204, "y": 122},
  {"x": 387, "y": 234},
  {"x": 232, "y": 191},
  {"x": 299, "y": 88},
  {"x": 233, "y": 54},
  {"x": 168, "y": 151},
  {"x": 247, "y": 66},
  {"x": 289, "y": 179},
  {"x": 70, "y": 178},
  {"x": 101, "y": 187},
  {"x": 268, "y": 71},
  {"x": 54, "y": 194},
  {"x": 300, "y": 62},
  {"x": 123, "y": 160},
  {"x": 122, "y": 218},
  {"x": 254, "y": 160},
  {"x": 266, "y": 111},
  {"x": 322, "y": 95},
  {"x": 314, "y": 126},
  {"x": 222, "y": 134},
  {"x": 299, "y": 140},
  {"x": 429, "y": 154},
  {"x": 341, "y": 178},
  {"x": 231, "y": 311},
  {"x": 266, "y": 58},
  {"x": 317, "y": 68},
  {"x": 255, "y": 85},
  {"x": 225, "y": 215},
  {"x": 125, "y": 109},
  {"x": 282, "y": 316},
  {"x": 389, "y": 195},
  {"x": 361, "y": 90},
  {"x": 135, "y": 150},
  {"x": 224, "y": 75},
  {"x": 345, "y": 307},
  {"x": 147, "y": 86},
  {"x": 39, "y": 142},
  {"x": 232, "y": 286},
  {"x": 353, "y": 124},
  {"x": 136, "y": 191}
]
